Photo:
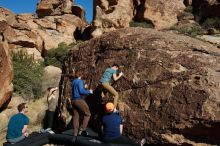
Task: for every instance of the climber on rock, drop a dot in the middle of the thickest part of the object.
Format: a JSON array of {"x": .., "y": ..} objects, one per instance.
[
  {"x": 79, "y": 104},
  {"x": 105, "y": 79}
]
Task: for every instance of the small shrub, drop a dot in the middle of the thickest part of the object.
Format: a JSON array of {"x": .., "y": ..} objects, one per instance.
[
  {"x": 190, "y": 31},
  {"x": 189, "y": 9},
  {"x": 27, "y": 75},
  {"x": 140, "y": 24},
  {"x": 211, "y": 23},
  {"x": 56, "y": 56}
]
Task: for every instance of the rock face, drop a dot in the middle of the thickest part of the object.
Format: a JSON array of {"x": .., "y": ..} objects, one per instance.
[
  {"x": 207, "y": 8},
  {"x": 171, "y": 83},
  {"x": 54, "y": 7},
  {"x": 37, "y": 35},
  {"x": 110, "y": 15},
  {"x": 6, "y": 86},
  {"x": 211, "y": 39},
  {"x": 162, "y": 14}
]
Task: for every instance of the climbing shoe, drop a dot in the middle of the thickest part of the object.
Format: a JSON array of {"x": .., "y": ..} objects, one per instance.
[{"x": 83, "y": 133}]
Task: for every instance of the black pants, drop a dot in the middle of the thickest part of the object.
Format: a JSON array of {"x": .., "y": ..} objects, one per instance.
[
  {"x": 34, "y": 139},
  {"x": 50, "y": 118},
  {"x": 121, "y": 140}
]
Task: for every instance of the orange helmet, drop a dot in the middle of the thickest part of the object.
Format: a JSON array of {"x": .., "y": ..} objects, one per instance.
[{"x": 109, "y": 107}]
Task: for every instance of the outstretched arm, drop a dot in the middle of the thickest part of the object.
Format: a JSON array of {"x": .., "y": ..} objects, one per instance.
[
  {"x": 115, "y": 77},
  {"x": 82, "y": 89},
  {"x": 49, "y": 96}
]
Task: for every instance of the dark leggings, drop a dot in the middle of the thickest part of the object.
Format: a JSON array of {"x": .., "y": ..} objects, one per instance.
[
  {"x": 34, "y": 139},
  {"x": 50, "y": 118}
]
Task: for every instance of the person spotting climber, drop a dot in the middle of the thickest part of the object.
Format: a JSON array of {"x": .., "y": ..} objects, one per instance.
[
  {"x": 105, "y": 79},
  {"x": 17, "y": 126},
  {"x": 112, "y": 127},
  {"x": 79, "y": 104},
  {"x": 52, "y": 99}
]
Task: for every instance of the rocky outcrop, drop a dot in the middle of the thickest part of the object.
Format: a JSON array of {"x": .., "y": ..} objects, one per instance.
[
  {"x": 206, "y": 8},
  {"x": 6, "y": 86},
  {"x": 37, "y": 35},
  {"x": 54, "y": 7},
  {"x": 79, "y": 11},
  {"x": 170, "y": 84},
  {"x": 162, "y": 14},
  {"x": 110, "y": 15}
]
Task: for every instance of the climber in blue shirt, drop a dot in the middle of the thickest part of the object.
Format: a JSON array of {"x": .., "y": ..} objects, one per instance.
[
  {"x": 79, "y": 104},
  {"x": 106, "y": 78}
]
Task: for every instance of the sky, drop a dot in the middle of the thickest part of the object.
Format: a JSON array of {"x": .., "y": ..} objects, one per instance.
[{"x": 29, "y": 6}]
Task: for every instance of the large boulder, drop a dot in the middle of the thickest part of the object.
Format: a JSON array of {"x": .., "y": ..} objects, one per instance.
[
  {"x": 51, "y": 77},
  {"x": 170, "y": 84},
  {"x": 110, "y": 15},
  {"x": 54, "y": 7},
  {"x": 6, "y": 86},
  {"x": 162, "y": 14},
  {"x": 58, "y": 29},
  {"x": 206, "y": 8}
]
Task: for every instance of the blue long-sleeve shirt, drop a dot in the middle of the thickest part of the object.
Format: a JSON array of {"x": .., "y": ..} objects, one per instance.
[{"x": 78, "y": 89}]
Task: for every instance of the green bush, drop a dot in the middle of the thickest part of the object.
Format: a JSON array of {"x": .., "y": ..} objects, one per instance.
[
  {"x": 56, "y": 56},
  {"x": 211, "y": 23},
  {"x": 190, "y": 31},
  {"x": 189, "y": 9},
  {"x": 27, "y": 75},
  {"x": 140, "y": 24}
]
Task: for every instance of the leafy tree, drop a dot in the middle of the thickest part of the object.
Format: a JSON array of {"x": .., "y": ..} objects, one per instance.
[
  {"x": 27, "y": 75},
  {"x": 56, "y": 56}
]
